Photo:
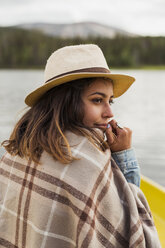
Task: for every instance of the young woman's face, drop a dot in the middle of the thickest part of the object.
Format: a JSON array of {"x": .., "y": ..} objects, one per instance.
[{"x": 97, "y": 99}]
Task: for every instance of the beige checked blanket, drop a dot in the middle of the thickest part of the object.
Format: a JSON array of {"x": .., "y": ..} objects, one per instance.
[{"x": 87, "y": 203}]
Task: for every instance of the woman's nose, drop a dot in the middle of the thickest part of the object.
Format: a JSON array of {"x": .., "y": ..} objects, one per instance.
[{"x": 107, "y": 111}]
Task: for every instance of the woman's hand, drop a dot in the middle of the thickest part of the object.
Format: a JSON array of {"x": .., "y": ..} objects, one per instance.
[{"x": 118, "y": 138}]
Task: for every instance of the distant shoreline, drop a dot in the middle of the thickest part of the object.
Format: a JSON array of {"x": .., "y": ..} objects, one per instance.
[{"x": 145, "y": 67}]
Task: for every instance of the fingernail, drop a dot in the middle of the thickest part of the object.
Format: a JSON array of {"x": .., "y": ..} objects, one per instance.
[{"x": 108, "y": 126}]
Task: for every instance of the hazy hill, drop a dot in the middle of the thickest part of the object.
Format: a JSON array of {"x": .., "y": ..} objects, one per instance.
[
  {"x": 82, "y": 29},
  {"x": 28, "y": 48}
]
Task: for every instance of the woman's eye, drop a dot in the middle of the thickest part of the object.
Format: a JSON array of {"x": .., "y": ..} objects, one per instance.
[
  {"x": 111, "y": 102},
  {"x": 97, "y": 100}
]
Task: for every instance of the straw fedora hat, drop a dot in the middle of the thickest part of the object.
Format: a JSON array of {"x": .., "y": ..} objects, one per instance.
[{"x": 76, "y": 62}]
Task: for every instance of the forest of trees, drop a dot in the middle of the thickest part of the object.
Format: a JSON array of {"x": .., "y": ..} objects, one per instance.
[{"x": 30, "y": 49}]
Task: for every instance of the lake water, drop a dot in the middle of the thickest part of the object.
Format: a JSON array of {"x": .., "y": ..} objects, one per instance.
[{"x": 142, "y": 108}]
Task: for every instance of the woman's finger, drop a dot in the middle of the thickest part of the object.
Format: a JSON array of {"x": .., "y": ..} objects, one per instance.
[
  {"x": 116, "y": 128},
  {"x": 110, "y": 135}
]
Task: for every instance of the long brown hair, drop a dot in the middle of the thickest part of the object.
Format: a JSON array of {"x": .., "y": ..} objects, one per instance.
[{"x": 42, "y": 127}]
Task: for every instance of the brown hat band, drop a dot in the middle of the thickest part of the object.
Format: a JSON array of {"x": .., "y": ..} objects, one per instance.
[{"x": 92, "y": 69}]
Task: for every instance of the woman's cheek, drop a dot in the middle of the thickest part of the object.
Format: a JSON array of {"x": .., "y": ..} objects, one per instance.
[
  {"x": 89, "y": 117},
  {"x": 93, "y": 115}
]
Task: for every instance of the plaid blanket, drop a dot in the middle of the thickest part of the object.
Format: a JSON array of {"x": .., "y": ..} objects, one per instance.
[{"x": 87, "y": 203}]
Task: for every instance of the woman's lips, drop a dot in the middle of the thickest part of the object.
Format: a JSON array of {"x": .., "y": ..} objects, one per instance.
[{"x": 101, "y": 125}]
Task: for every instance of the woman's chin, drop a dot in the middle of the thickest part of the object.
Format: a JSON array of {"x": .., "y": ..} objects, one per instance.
[{"x": 100, "y": 127}]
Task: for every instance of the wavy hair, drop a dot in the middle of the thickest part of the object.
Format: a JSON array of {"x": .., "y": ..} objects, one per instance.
[{"x": 43, "y": 126}]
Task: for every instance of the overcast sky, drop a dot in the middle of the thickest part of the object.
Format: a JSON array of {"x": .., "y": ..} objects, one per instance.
[{"x": 145, "y": 17}]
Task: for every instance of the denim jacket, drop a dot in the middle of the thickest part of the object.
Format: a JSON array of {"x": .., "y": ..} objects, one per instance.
[{"x": 128, "y": 164}]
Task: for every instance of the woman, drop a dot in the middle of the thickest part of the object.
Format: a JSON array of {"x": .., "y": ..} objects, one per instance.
[{"x": 61, "y": 185}]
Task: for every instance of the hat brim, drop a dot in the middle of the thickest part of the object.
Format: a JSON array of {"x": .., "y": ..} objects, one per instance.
[{"x": 121, "y": 83}]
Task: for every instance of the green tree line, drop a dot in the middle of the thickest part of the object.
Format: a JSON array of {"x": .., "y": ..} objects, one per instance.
[{"x": 30, "y": 49}]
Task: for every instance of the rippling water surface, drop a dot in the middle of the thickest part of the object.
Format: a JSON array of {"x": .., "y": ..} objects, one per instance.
[{"x": 141, "y": 108}]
